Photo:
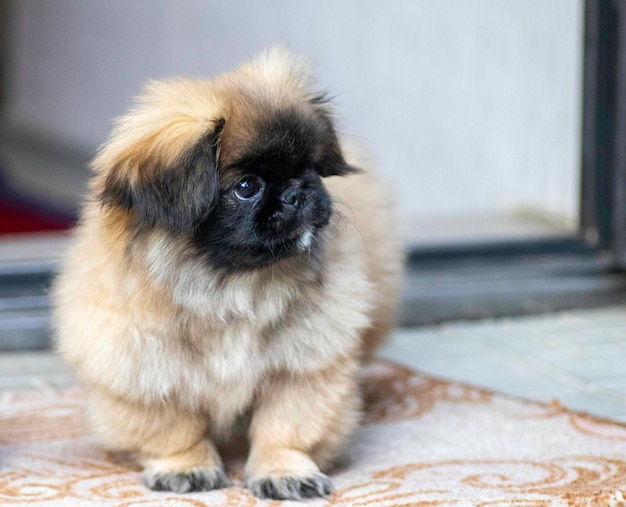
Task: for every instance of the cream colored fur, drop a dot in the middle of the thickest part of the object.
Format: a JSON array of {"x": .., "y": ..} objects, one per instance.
[{"x": 171, "y": 356}]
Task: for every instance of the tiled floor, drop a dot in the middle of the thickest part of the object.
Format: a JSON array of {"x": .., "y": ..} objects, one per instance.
[{"x": 576, "y": 357}]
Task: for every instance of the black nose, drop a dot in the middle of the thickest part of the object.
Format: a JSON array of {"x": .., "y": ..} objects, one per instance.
[{"x": 293, "y": 197}]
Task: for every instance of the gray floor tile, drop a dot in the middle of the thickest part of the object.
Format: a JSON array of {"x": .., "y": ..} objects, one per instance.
[
  {"x": 615, "y": 383},
  {"x": 577, "y": 357},
  {"x": 546, "y": 393},
  {"x": 592, "y": 404},
  {"x": 58, "y": 381},
  {"x": 30, "y": 363},
  {"x": 614, "y": 317},
  {"x": 590, "y": 367}
]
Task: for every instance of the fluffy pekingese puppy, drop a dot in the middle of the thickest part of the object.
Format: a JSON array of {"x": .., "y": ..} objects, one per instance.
[{"x": 234, "y": 258}]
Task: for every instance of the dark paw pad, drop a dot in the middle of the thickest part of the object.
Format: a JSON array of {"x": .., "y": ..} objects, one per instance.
[
  {"x": 291, "y": 487},
  {"x": 200, "y": 479}
]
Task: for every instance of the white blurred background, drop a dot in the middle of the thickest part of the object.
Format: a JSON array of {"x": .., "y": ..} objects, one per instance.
[{"x": 473, "y": 107}]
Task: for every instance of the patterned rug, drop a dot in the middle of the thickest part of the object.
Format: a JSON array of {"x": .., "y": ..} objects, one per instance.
[{"x": 424, "y": 442}]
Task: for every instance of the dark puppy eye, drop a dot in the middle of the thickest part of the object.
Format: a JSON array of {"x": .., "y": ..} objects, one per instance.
[{"x": 249, "y": 187}]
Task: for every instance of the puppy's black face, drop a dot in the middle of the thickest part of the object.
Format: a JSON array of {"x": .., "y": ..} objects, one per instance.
[
  {"x": 247, "y": 194},
  {"x": 259, "y": 221},
  {"x": 272, "y": 202}
]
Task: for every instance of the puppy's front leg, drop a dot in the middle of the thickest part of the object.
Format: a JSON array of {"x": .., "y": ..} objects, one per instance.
[
  {"x": 170, "y": 442},
  {"x": 299, "y": 424}
]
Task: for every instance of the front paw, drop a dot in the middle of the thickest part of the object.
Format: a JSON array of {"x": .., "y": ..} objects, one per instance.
[
  {"x": 198, "y": 479},
  {"x": 291, "y": 487}
]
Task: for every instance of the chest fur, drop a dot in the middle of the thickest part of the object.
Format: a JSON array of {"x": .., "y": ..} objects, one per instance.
[{"x": 225, "y": 337}]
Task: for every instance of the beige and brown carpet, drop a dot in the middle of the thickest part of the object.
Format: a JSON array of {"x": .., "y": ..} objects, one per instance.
[{"x": 424, "y": 442}]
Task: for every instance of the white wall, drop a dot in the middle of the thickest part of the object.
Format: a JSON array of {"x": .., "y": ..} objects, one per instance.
[{"x": 472, "y": 106}]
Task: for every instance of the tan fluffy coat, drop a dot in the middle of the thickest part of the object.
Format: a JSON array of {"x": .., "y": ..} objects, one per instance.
[{"x": 172, "y": 354}]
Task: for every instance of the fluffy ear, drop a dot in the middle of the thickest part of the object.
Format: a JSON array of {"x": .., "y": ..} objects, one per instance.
[
  {"x": 330, "y": 158},
  {"x": 178, "y": 195},
  {"x": 331, "y": 161}
]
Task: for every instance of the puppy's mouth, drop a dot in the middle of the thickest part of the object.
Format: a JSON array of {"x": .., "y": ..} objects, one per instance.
[{"x": 299, "y": 241}]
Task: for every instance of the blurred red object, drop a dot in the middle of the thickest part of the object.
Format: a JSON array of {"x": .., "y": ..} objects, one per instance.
[
  {"x": 23, "y": 213},
  {"x": 16, "y": 217}
]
